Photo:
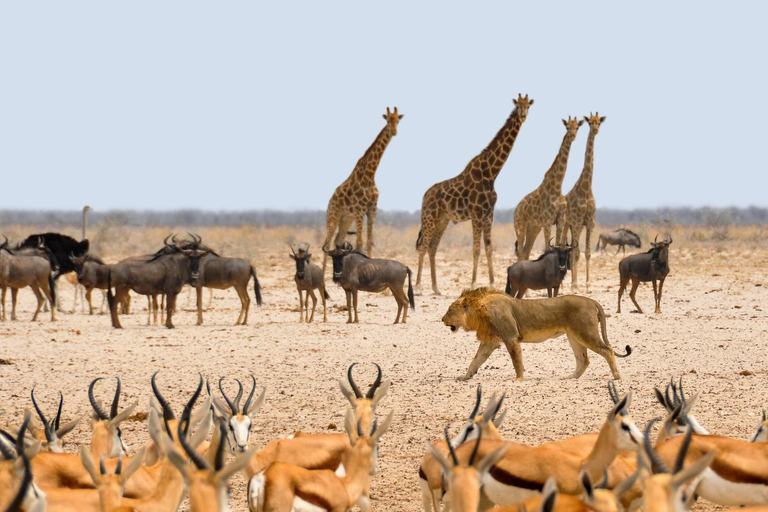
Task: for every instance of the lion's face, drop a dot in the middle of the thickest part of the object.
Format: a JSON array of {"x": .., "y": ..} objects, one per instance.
[{"x": 456, "y": 316}]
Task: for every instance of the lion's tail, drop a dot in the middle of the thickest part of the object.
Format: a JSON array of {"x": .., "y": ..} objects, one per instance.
[{"x": 604, "y": 330}]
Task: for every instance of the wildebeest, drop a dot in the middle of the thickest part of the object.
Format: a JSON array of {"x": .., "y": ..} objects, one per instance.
[
  {"x": 63, "y": 248},
  {"x": 648, "y": 266},
  {"x": 20, "y": 271},
  {"x": 221, "y": 273},
  {"x": 91, "y": 273},
  {"x": 355, "y": 271},
  {"x": 166, "y": 273},
  {"x": 309, "y": 277},
  {"x": 620, "y": 237},
  {"x": 548, "y": 271}
]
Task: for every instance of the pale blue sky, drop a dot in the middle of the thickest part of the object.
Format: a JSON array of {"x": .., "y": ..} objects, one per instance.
[{"x": 251, "y": 105}]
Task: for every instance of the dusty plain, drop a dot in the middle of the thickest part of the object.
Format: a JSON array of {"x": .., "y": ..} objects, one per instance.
[{"x": 712, "y": 331}]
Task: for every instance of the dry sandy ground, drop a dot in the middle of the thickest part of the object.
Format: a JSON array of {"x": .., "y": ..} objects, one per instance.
[{"x": 712, "y": 330}]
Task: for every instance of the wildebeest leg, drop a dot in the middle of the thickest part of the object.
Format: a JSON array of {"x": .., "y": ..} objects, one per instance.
[
  {"x": 487, "y": 239},
  {"x": 549, "y": 292},
  {"x": 399, "y": 300},
  {"x": 210, "y": 299},
  {"x": 322, "y": 295},
  {"x": 484, "y": 350},
  {"x": 3, "y": 302},
  {"x": 199, "y": 303},
  {"x": 46, "y": 289},
  {"x": 39, "y": 297},
  {"x": 354, "y": 300},
  {"x": 88, "y": 298},
  {"x": 14, "y": 294},
  {"x": 349, "y": 306},
  {"x": 635, "y": 284},
  {"x": 618, "y": 248},
  {"x": 622, "y": 286},
  {"x": 658, "y": 301},
  {"x": 245, "y": 303},
  {"x": 521, "y": 292},
  {"x": 301, "y": 307},
  {"x": 582, "y": 358},
  {"x": 311, "y": 293},
  {"x": 170, "y": 305}
]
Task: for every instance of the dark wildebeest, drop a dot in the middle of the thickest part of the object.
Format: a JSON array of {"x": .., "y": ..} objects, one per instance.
[
  {"x": 309, "y": 277},
  {"x": 63, "y": 247},
  {"x": 355, "y": 271},
  {"x": 221, "y": 273},
  {"x": 20, "y": 271},
  {"x": 164, "y": 274},
  {"x": 648, "y": 266},
  {"x": 620, "y": 237},
  {"x": 548, "y": 271},
  {"x": 91, "y": 273}
]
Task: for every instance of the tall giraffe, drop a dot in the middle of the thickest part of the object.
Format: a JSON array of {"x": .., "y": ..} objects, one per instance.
[
  {"x": 469, "y": 196},
  {"x": 545, "y": 205},
  {"x": 580, "y": 209},
  {"x": 358, "y": 196}
]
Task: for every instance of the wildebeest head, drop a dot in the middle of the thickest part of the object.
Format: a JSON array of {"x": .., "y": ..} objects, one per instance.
[
  {"x": 4, "y": 245},
  {"x": 301, "y": 256},
  {"x": 563, "y": 256},
  {"x": 660, "y": 249},
  {"x": 338, "y": 255},
  {"x": 194, "y": 256}
]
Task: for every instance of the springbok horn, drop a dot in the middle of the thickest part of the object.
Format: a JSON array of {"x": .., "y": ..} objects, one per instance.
[
  {"x": 193, "y": 399},
  {"x": 167, "y": 411},
  {"x": 680, "y": 459},
  {"x": 376, "y": 383},
  {"x": 195, "y": 457},
  {"x": 657, "y": 465},
  {"x": 355, "y": 389},
  {"x": 46, "y": 425},
  {"x": 96, "y": 407},
  {"x": 115, "y": 401},
  {"x": 239, "y": 395},
  {"x": 7, "y": 452},
  {"x": 250, "y": 396},
  {"x": 57, "y": 422},
  {"x": 102, "y": 466},
  {"x": 119, "y": 468},
  {"x": 450, "y": 446},
  {"x": 226, "y": 398},
  {"x": 477, "y": 445},
  {"x": 477, "y": 403},
  {"x": 218, "y": 460},
  {"x": 612, "y": 391}
]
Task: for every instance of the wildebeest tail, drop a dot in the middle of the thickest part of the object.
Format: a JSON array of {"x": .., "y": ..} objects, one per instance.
[
  {"x": 52, "y": 286},
  {"x": 418, "y": 240},
  {"x": 604, "y": 330},
  {"x": 597, "y": 247},
  {"x": 508, "y": 289},
  {"x": 110, "y": 297},
  {"x": 256, "y": 286},
  {"x": 325, "y": 294},
  {"x": 516, "y": 251},
  {"x": 411, "y": 300}
]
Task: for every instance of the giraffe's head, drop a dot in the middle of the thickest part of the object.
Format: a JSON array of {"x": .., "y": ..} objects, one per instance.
[
  {"x": 392, "y": 119},
  {"x": 594, "y": 121},
  {"x": 572, "y": 125},
  {"x": 522, "y": 105}
]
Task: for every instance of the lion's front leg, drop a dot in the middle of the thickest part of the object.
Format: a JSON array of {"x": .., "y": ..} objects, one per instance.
[
  {"x": 485, "y": 349},
  {"x": 516, "y": 352}
]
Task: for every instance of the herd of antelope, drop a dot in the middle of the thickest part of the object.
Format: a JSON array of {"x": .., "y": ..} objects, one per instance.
[{"x": 617, "y": 468}]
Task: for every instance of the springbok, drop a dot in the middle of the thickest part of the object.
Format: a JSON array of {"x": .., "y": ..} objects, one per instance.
[
  {"x": 18, "y": 491},
  {"x": 670, "y": 402},
  {"x": 285, "y": 487},
  {"x": 107, "y": 437},
  {"x": 239, "y": 421},
  {"x": 51, "y": 432},
  {"x": 485, "y": 424}
]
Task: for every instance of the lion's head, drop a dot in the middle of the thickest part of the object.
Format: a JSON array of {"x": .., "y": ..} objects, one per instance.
[{"x": 469, "y": 310}]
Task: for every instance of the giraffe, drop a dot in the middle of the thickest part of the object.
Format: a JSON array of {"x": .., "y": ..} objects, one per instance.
[
  {"x": 545, "y": 205},
  {"x": 358, "y": 196},
  {"x": 469, "y": 196},
  {"x": 580, "y": 208}
]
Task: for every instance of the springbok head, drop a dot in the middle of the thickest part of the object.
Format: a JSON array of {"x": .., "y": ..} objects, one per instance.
[
  {"x": 239, "y": 421},
  {"x": 364, "y": 406},
  {"x": 50, "y": 435},
  {"x": 623, "y": 427},
  {"x": 163, "y": 409},
  {"x": 486, "y": 422},
  {"x": 107, "y": 437},
  {"x": 671, "y": 401}
]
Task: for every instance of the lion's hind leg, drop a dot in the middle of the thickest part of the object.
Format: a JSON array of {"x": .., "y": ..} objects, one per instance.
[
  {"x": 483, "y": 352},
  {"x": 580, "y": 353}
]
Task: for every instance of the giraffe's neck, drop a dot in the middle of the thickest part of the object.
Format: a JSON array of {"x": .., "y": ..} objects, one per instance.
[
  {"x": 553, "y": 179},
  {"x": 498, "y": 150},
  {"x": 584, "y": 183},
  {"x": 365, "y": 170}
]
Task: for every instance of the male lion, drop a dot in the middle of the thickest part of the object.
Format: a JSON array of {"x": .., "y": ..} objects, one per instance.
[{"x": 498, "y": 318}]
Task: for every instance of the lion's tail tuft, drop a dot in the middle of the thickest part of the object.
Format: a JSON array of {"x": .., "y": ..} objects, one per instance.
[{"x": 626, "y": 354}]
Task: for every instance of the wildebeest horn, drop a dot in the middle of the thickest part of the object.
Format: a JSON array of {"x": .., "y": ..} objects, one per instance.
[
  {"x": 347, "y": 246},
  {"x": 226, "y": 398},
  {"x": 325, "y": 248},
  {"x": 165, "y": 242},
  {"x": 96, "y": 407},
  {"x": 450, "y": 446},
  {"x": 477, "y": 403},
  {"x": 167, "y": 411},
  {"x": 376, "y": 383},
  {"x": 355, "y": 389},
  {"x": 657, "y": 236},
  {"x": 292, "y": 249}
]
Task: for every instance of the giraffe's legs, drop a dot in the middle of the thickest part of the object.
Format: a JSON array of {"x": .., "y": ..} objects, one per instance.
[
  {"x": 332, "y": 219},
  {"x": 434, "y": 242},
  {"x": 519, "y": 237},
  {"x": 359, "y": 221},
  {"x": 531, "y": 232},
  {"x": 477, "y": 232},
  {"x": 547, "y": 229},
  {"x": 588, "y": 250},
  {"x": 487, "y": 237},
  {"x": 575, "y": 253},
  {"x": 371, "y": 219}
]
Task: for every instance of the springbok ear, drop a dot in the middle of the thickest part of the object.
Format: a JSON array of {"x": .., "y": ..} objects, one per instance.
[
  {"x": 135, "y": 464},
  {"x": 350, "y": 426},
  {"x": 256, "y": 405},
  {"x": 500, "y": 418},
  {"x": 444, "y": 465},
  {"x": 693, "y": 470},
  {"x": 90, "y": 466},
  {"x": 382, "y": 429},
  {"x": 66, "y": 429},
  {"x": 548, "y": 495},
  {"x": 484, "y": 466},
  {"x": 347, "y": 392},
  {"x": 123, "y": 415},
  {"x": 586, "y": 485},
  {"x": 381, "y": 392}
]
